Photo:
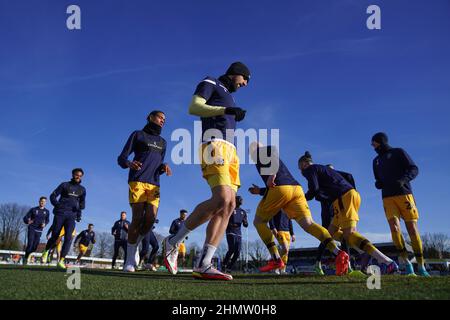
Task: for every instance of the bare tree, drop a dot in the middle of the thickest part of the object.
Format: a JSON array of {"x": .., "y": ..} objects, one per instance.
[
  {"x": 11, "y": 225},
  {"x": 257, "y": 252},
  {"x": 436, "y": 245},
  {"x": 104, "y": 245}
]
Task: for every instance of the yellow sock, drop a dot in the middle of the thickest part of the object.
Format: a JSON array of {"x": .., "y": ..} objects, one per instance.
[
  {"x": 269, "y": 240},
  {"x": 399, "y": 243},
  {"x": 416, "y": 243},
  {"x": 322, "y": 234},
  {"x": 357, "y": 240}
]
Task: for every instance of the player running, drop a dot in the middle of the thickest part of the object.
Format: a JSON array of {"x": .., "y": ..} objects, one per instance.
[
  {"x": 282, "y": 191},
  {"x": 120, "y": 233},
  {"x": 84, "y": 239},
  {"x": 149, "y": 149},
  {"x": 283, "y": 230},
  {"x": 36, "y": 219},
  {"x": 214, "y": 104},
  {"x": 174, "y": 227},
  {"x": 394, "y": 169},
  {"x": 327, "y": 183},
  {"x": 67, "y": 210},
  {"x": 234, "y": 235}
]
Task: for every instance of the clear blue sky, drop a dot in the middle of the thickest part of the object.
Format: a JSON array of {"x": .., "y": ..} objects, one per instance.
[{"x": 71, "y": 98}]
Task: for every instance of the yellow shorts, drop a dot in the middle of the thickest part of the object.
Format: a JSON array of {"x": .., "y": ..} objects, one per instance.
[
  {"x": 63, "y": 232},
  {"x": 220, "y": 164},
  {"x": 289, "y": 198},
  {"x": 182, "y": 248},
  {"x": 143, "y": 192},
  {"x": 403, "y": 206},
  {"x": 284, "y": 238},
  {"x": 346, "y": 214},
  {"x": 82, "y": 248}
]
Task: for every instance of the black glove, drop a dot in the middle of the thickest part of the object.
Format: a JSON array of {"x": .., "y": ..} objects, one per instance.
[
  {"x": 239, "y": 114},
  {"x": 78, "y": 218},
  {"x": 378, "y": 184}
]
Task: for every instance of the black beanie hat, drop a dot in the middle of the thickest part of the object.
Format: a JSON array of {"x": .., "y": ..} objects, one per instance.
[
  {"x": 381, "y": 138},
  {"x": 238, "y": 68},
  {"x": 306, "y": 157}
]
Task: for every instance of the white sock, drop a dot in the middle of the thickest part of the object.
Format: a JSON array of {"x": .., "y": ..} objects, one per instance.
[
  {"x": 180, "y": 235},
  {"x": 381, "y": 258},
  {"x": 207, "y": 255},
  {"x": 336, "y": 251},
  {"x": 131, "y": 254}
]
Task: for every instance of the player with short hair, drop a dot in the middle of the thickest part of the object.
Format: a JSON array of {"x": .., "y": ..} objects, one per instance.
[
  {"x": 282, "y": 191},
  {"x": 234, "y": 235},
  {"x": 83, "y": 240},
  {"x": 394, "y": 170},
  {"x": 214, "y": 104},
  {"x": 67, "y": 210},
  {"x": 327, "y": 183},
  {"x": 36, "y": 219},
  {"x": 149, "y": 150},
  {"x": 120, "y": 233}
]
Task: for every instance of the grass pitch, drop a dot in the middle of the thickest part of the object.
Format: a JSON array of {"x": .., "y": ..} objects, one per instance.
[{"x": 35, "y": 282}]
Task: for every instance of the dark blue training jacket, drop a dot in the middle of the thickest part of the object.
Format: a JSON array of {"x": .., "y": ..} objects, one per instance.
[
  {"x": 39, "y": 217},
  {"x": 281, "y": 222},
  {"x": 284, "y": 177},
  {"x": 72, "y": 198},
  {"x": 148, "y": 149},
  {"x": 86, "y": 237},
  {"x": 238, "y": 218},
  {"x": 393, "y": 171},
  {"x": 325, "y": 183},
  {"x": 175, "y": 226},
  {"x": 118, "y": 230}
]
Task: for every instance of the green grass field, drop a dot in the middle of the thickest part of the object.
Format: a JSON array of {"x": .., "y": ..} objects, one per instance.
[{"x": 33, "y": 282}]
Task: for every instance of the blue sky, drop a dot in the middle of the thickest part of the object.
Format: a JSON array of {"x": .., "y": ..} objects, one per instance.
[{"x": 71, "y": 98}]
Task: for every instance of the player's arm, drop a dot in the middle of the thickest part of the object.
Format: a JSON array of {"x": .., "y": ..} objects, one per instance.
[
  {"x": 122, "y": 159},
  {"x": 378, "y": 183},
  {"x": 93, "y": 238},
  {"x": 27, "y": 217},
  {"x": 172, "y": 229},
  {"x": 313, "y": 184},
  {"x": 164, "y": 167},
  {"x": 411, "y": 169},
  {"x": 78, "y": 237},
  {"x": 55, "y": 194},
  {"x": 82, "y": 200},
  {"x": 291, "y": 230},
  {"x": 47, "y": 218},
  {"x": 245, "y": 220},
  {"x": 198, "y": 107}
]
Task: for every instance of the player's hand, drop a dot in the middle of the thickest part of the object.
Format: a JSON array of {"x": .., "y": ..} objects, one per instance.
[
  {"x": 271, "y": 181},
  {"x": 30, "y": 221},
  {"x": 48, "y": 237},
  {"x": 293, "y": 238},
  {"x": 275, "y": 232},
  {"x": 167, "y": 169},
  {"x": 254, "y": 189},
  {"x": 239, "y": 114},
  {"x": 135, "y": 165},
  {"x": 43, "y": 225}
]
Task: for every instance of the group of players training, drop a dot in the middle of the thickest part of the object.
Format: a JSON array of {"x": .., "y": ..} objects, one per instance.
[{"x": 281, "y": 194}]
